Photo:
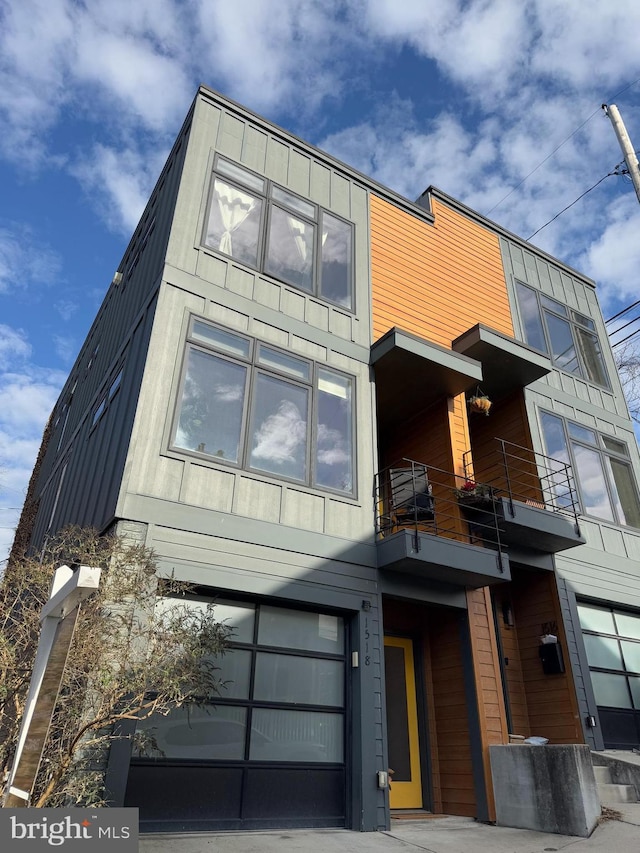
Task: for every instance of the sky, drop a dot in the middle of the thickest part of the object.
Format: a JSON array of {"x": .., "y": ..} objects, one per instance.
[{"x": 496, "y": 102}]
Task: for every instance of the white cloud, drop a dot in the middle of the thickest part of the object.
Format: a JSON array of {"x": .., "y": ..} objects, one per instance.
[
  {"x": 66, "y": 309},
  {"x": 275, "y": 55},
  {"x": 24, "y": 261},
  {"x": 13, "y": 344},
  {"x": 613, "y": 260},
  {"x": 27, "y": 395},
  {"x": 66, "y": 348},
  {"x": 281, "y": 435},
  {"x": 119, "y": 182}
]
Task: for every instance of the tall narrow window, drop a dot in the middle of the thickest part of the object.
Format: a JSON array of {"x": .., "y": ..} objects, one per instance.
[
  {"x": 334, "y": 450},
  {"x": 234, "y": 222},
  {"x": 212, "y": 406}
]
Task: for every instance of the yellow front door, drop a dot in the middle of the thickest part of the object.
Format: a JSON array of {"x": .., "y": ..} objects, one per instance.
[{"x": 402, "y": 724}]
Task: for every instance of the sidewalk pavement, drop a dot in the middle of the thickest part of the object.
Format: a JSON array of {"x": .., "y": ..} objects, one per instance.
[{"x": 436, "y": 835}]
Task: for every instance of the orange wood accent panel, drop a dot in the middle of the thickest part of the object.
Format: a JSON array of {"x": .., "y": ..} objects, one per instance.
[
  {"x": 551, "y": 699},
  {"x": 486, "y": 666},
  {"x": 513, "y": 667},
  {"x": 436, "y": 280},
  {"x": 451, "y": 715},
  {"x": 509, "y": 421}
]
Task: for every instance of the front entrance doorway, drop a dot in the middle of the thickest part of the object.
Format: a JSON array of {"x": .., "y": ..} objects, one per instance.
[{"x": 402, "y": 724}]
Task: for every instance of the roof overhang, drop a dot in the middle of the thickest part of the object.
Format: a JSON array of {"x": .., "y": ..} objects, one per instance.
[
  {"x": 409, "y": 369},
  {"x": 507, "y": 364}
]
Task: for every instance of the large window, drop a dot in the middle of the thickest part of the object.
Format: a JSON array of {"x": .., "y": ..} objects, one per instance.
[
  {"x": 288, "y": 237},
  {"x": 249, "y": 404},
  {"x": 282, "y": 697},
  {"x": 601, "y": 466},
  {"x": 567, "y": 336}
]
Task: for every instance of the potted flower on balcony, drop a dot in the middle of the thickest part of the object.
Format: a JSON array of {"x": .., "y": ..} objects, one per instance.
[{"x": 476, "y": 494}]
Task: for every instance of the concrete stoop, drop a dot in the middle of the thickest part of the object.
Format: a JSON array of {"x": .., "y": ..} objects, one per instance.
[
  {"x": 614, "y": 779},
  {"x": 610, "y": 792}
]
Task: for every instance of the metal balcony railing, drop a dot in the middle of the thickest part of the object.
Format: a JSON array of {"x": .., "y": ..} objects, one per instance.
[
  {"x": 524, "y": 475},
  {"x": 419, "y": 497},
  {"x": 416, "y": 496}
]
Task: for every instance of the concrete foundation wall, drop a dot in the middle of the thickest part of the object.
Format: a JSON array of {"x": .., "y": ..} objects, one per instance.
[{"x": 546, "y": 788}]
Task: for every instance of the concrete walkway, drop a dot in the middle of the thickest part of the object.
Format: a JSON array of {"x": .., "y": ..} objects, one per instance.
[{"x": 438, "y": 835}]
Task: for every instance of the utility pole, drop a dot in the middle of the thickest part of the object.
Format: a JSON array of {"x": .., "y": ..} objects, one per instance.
[{"x": 611, "y": 111}]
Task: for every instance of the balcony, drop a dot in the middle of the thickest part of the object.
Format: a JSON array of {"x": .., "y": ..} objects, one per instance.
[
  {"x": 538, "y": 501},
  {"x": 453, "y": 529},
  {"x": 422, "y": 531}
]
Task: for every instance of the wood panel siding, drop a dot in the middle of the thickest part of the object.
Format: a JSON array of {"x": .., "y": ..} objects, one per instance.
[
  {"x": 451, "y": 715},
  {"x": 436, "y": 437},
  {"x": 552, "y": 703},
  {"x": 516, "y": 693},
  {"x": 488, "y": 681},
  {"x": 438, "y": 280},
  {"x": 423, "y": 438},
  {"x": 508, "y": 420}
]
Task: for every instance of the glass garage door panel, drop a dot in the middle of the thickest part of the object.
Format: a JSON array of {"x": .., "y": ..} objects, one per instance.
[
  {"x": 278, "y": 721},
  {"x": 612, "y": 643}
]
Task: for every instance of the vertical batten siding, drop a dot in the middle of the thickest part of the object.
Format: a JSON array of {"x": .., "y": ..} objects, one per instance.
[
  {"x": 416, "y": 267},
  {"x": 220, "y": 128}
]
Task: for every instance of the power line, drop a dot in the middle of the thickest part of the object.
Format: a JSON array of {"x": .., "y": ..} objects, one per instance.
[
  {"x": 608, "y": 175},
  {"x": 548, "y": 157},
  {"x": 624, "y": 311},
  {"x": 564, "y": 142}
]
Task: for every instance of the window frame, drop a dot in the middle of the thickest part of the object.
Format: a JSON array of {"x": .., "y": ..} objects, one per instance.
[
  {"x": 107, "y": 396},
  {"x": 254, "y": 369},
  {"x": 269, "y": 202},
  {"x": 578, "y": 329},
  {"x": 619, "y": 636},
  {"x": 250, "y": 703},
  {"x": 604, "y": 453}
]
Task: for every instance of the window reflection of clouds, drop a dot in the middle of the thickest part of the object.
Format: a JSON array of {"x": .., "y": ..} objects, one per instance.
[
  {"x": 594, "y": 489},
  {"x": 205, "y": 424},
  {"x": 334, "y": 432},
  {"x": 290, "y": 254},
  {"x": 280, "y": 428}
]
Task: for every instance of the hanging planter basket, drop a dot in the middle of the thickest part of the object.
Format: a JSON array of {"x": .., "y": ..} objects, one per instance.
[{"x": 479, "y": 403}]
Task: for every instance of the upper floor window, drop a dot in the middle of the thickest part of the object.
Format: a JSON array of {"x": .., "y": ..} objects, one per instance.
[
  {"x": 249, "y": 404},
  {"x": 602, "y": 468},
  {"x": 106, "y": 398},
  {"x": 288, "y": 237},
  {"x": 566, "y": 335}
]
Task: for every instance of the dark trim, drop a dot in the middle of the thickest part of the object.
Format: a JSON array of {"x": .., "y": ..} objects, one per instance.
[
  {"x": 592, "y": 735},
  {"x": 426, "y": 769},
  {"x": 477, "y": 758},
  {"x": 501, "y": 662}
]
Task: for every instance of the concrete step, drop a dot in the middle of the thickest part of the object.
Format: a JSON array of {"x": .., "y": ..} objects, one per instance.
[
  {"x": 602, "y": 774},
  {"x": 610, "y": 793}
]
